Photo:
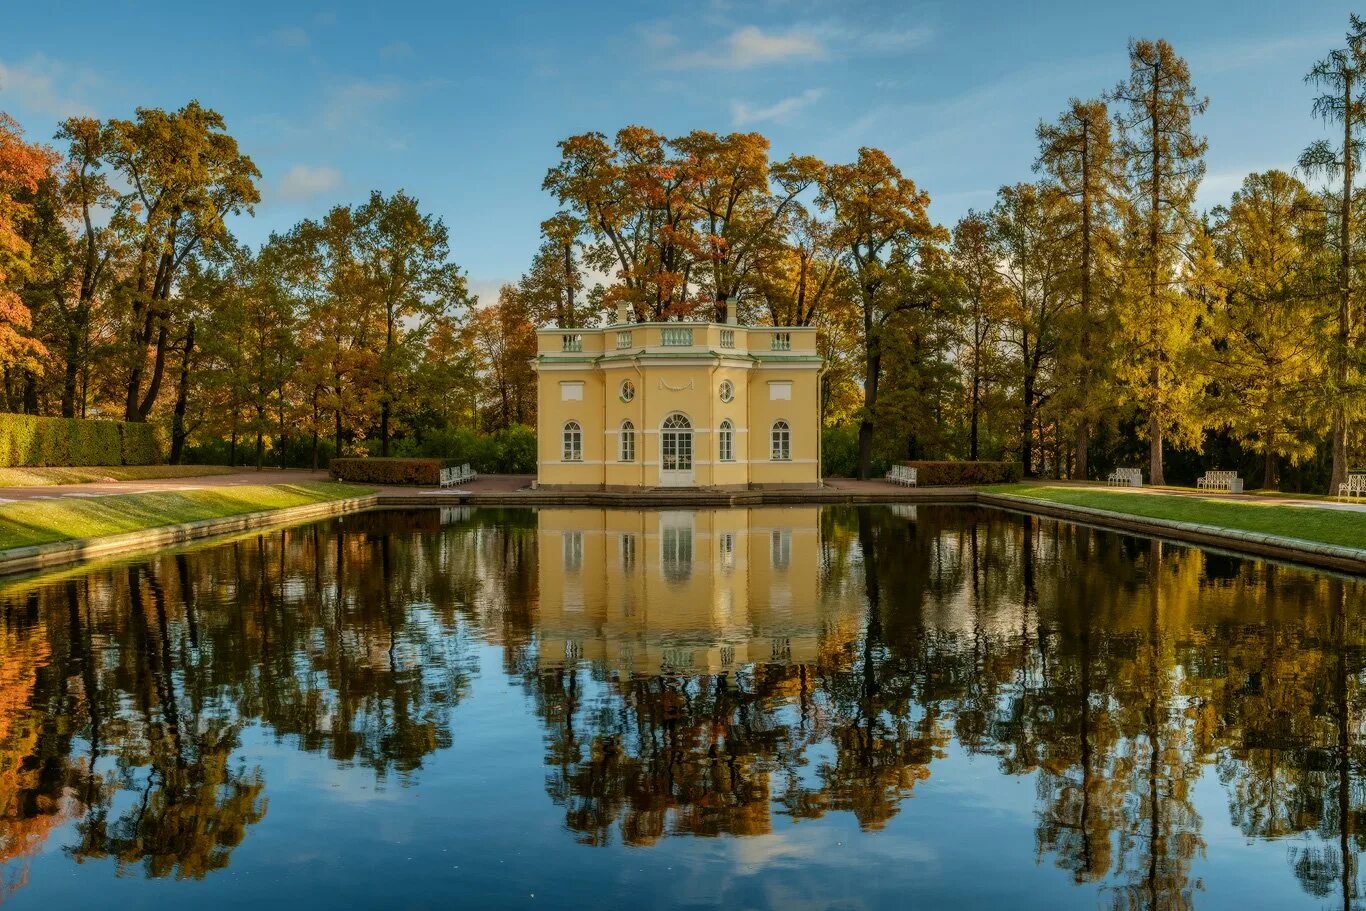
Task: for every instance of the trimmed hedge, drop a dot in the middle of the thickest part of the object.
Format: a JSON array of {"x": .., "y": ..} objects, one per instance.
[
  {"x": 964, "y": 474},
  {"x": 29, "y": 441},
  {"x": 387, "y": 471}
]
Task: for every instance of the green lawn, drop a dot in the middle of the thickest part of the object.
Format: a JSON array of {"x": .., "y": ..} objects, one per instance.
[
  {"x": 44, "y": 521},
  {"x": 1308, "y": 523},
  {"x": 47, "y": 477}
]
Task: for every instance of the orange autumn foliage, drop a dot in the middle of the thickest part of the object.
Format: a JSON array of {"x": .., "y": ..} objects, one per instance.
[{"x": 22, "y": 167}]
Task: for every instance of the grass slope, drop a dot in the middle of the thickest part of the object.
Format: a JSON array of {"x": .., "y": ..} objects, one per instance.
[
  {"x": 1308, "y": 523},
  {"x": 44, "y": 521},
  {"x": 47, "y": 477}
]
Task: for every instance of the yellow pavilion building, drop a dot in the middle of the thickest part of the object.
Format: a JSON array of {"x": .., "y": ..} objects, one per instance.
[{"x": 642, "y": 405}]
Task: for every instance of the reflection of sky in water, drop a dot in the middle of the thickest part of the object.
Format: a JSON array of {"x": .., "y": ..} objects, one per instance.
[{"x": 443, "y": 649}]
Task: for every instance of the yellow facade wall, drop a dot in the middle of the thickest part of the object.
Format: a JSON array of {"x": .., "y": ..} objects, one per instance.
[{"x": 679, "y": 380}]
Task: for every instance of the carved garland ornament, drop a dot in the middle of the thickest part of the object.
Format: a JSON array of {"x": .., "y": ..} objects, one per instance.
[{"x": 684, "y": 388}]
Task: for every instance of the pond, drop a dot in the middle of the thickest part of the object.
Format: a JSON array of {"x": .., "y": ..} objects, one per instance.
[{"x": 849, "y": 707}]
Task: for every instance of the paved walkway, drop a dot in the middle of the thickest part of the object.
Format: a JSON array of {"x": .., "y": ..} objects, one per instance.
[{"x": 115, "y": 488}]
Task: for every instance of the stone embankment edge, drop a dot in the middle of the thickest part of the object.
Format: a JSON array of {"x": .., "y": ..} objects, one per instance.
[
  {"x": 60, "y": 553},
  {"x": 1290, "y": 550}
]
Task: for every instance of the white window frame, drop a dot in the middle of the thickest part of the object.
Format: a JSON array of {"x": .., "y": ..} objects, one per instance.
[
  {"x": 626, "y": 443},
  {"x": 627, "y": 391},
  {"x": 572, "y": 442},
  {"x": 780, "y": 442},
  {"x": 725, "y": 441},
  {"x": 726, "y": 391}
]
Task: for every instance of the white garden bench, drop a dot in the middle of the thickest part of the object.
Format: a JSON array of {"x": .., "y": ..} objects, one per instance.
[
  {"x": 1354, "y": 486},
  {"x": 1220, "y": 480},
  {"x": 902, "y": 475},
  {"x": 1125, "y": 477},
  {"x": 453, "y": 476}
]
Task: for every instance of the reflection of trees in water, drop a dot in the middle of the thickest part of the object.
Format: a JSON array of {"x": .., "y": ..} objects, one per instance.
[
  {"x": 130, "y": 686},
  {"x": 1114, "y": 671}
]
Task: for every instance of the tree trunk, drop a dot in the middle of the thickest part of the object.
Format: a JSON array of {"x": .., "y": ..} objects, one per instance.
[
  {"x": 1082, "y": 468},
  {"x": 1344, "y": 327},
  {"x": 71, "y": 377},
  {"x": 1027, "y": 427},
  {"x": 182, "y": 394},
  {"x": 872, "y": 368},
  {"x": 1156, "y": 475},
  {"x": 384, "y": 426}
]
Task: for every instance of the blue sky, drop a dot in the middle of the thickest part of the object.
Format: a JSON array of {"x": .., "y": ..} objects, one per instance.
[{"x": 462, "y": 104}]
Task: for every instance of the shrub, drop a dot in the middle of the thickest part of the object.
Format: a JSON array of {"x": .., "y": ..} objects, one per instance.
[
  {"x": 839, "y": 451},
  {"x": 387, "y": 471},
  {"x": 510, "y": 451},
  {"x": 29, "y": 441},
  {"x": 964, "y": 474}
]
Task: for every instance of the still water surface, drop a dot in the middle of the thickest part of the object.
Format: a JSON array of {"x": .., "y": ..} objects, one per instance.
[{"x": 767, "y": 708}]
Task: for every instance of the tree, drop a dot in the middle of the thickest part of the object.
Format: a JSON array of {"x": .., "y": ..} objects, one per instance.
[
  {"x": 504, "y": 338},
  {"x": 984, "y": 294},
  {"x": 1034, "y": 263},
  {"x": 402, "y": 266},
  {"x": 1164, "y": 162},
  {"x": 881, "y": 224},
  {"x": 1264, "y": 345},
  {"x": 23, "y": 167},
  {"x": 186, "y": 176},
  {"x": 1077, "y": 152},
  {"x": 1341, "y": 77}
]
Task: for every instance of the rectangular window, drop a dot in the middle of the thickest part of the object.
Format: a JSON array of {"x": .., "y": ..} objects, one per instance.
[
  {"x": 782, "y": 443},
  {"x": 780, "y": 548},
  {"x": 573, "y": 550},
  {"x": 727, "y": 338},
  {"x": 782, "y": 341},
  {"x": 780, "y": 391},
  {"x": 726, "y": 447},
  {"x": 572, "y": 341},
  {"x": 573, "y": 442},
  {"x": 675, "y": 337},
  {"x": 628, "y": 443},
  {"x": 623, "y": 340},
  {"x": 571, "y": 392}
]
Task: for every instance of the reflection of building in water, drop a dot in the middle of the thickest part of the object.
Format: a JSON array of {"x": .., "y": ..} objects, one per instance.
[{"x": 699, "y": 592}]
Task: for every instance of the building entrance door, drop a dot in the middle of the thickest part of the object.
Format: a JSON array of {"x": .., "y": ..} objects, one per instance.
[{"x": 675, "y": 452}]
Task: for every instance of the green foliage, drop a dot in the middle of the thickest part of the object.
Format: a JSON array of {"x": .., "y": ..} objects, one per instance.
[
  {"x": 839, "y": 451},
  {"x": 141, "y": 444},
  {"x": 387, "y": 471},
  {"x": 28, "y": 441},
  {"x": 965, "y": 474},
  {"x": 510, "y": 451}
]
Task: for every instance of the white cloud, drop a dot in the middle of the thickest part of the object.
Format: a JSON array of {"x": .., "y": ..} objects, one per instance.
[
  {"x": 395, "y": 50},
  {"x": 42, "y": 85},
  {"x": 743, "y": 113},
  {"x": 290, "y": 36},
  {"x": 751, "y": 46},
  {"x": 307, "y": 181},
  {"x": 355, "y": 101}
]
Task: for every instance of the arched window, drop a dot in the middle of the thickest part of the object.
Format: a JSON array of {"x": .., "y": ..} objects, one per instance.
[
  {"x": 573, "y": 442},
  {"x": 627, "y": 437},
  {"x": 781, "y": 449},
  {"x": 677, "y": 421},
  {"x": 726, "y": 442}
]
